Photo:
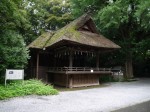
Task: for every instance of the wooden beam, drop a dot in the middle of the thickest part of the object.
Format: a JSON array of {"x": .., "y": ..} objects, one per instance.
[{"x": 37, "y": 66}]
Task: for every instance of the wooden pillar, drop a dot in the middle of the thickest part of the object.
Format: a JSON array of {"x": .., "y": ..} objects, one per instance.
[
  {"x": 31, "y": 67},
  {"x": 54, "y": 63},
  {"x": 97, "y": 60},
  {"x": 67, "y": 80},
  {"x": 37, "y": 66},
  {"x": 70, "y": 81},
  {"x": 70, "y": 65},
  {"x": 71, "y": 59}
]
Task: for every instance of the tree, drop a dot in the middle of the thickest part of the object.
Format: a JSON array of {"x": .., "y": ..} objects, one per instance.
[
  {"x": 48, "y": 14},
  {"x": 127, "y": 26},
  {"x": 12, "y": 15},
  {"x": 13, "y": 51},
  {"x": 124, "y": 21},
  {"x": 59, "y": 14},
  {"x": 78, "y": 7}
]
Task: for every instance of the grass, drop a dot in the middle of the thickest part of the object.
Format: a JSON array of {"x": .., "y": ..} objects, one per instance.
[{"x": 28, "y": 87}]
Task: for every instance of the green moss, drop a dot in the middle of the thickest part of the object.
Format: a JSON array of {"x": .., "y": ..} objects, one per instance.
[
  {"x": 40, "y": 42},
  {"x": 69, "y": 31},
  {"x": 65, "y": 31}
]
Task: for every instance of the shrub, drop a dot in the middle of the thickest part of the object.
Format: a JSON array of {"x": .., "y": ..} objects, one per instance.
[
  {"x": 105, "y": 78},
  {"x": 28, "y": 87}
]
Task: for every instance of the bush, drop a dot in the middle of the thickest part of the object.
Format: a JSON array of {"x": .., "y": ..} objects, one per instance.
[
  {"x": 105, "y": 78},
  {"x": 28, "y": 87}
]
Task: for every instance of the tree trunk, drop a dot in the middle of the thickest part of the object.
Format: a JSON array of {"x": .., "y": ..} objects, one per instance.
[{"x": 128, "y": 74}]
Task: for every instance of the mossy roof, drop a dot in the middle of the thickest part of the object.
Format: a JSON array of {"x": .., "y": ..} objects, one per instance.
[
  {"x": 41, "y": 41},
  {"x": 72, "y": 33}
]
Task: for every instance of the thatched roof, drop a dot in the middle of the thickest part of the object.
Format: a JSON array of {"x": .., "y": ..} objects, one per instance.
[
  {"x": 81, "y": 31},
  {"x": 41, "y": 41}
]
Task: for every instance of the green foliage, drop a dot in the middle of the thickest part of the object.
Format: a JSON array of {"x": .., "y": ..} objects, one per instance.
[
  {"x": 143, "y": 13},
  {"x": 32, "y": 17},
  {"x": 142, "y": 50},
  {"x": 28, "y": 87},
  {"x": 13, "y": 51},
  {"x": 45, "y": 15},
  {"x": 13, "y": 23},
  {"x": 79, "y": 7},
  {"x": 114, "y": 14},
  {"x": 59, "y": 14},
  {"x": 48, "y": 14},
  {"x": 12, "y": 15},
  {"x": 126, "y": 22}
]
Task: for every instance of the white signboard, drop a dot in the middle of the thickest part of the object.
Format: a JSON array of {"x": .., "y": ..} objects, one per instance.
[{"x": 12, "y": 74}]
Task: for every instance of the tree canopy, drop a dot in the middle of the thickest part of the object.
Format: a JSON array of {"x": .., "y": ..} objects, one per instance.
[{"x": 12, "y": 15}]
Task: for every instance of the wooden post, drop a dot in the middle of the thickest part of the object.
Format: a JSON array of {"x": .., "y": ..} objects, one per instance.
[
  {"x": 54, "y": 61},
  {"x": 70, "y": 65},
  {"x": 70, "y": 82},
  {"x": 37, "y": 65},
  {"x": 67, "y": 81},
  {"x": 97, "y": 60},
  {"x": 31, "y": 67},
  {"x": 71, "y": 59}
]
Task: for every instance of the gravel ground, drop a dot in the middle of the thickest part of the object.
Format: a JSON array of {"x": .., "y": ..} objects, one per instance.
[
  {"x": 142, "y": 107},
  {"x": 104, "y": 99}
]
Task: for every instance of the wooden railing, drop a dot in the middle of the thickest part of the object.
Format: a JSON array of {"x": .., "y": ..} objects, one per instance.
[{"x": 78, "y": 69}]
